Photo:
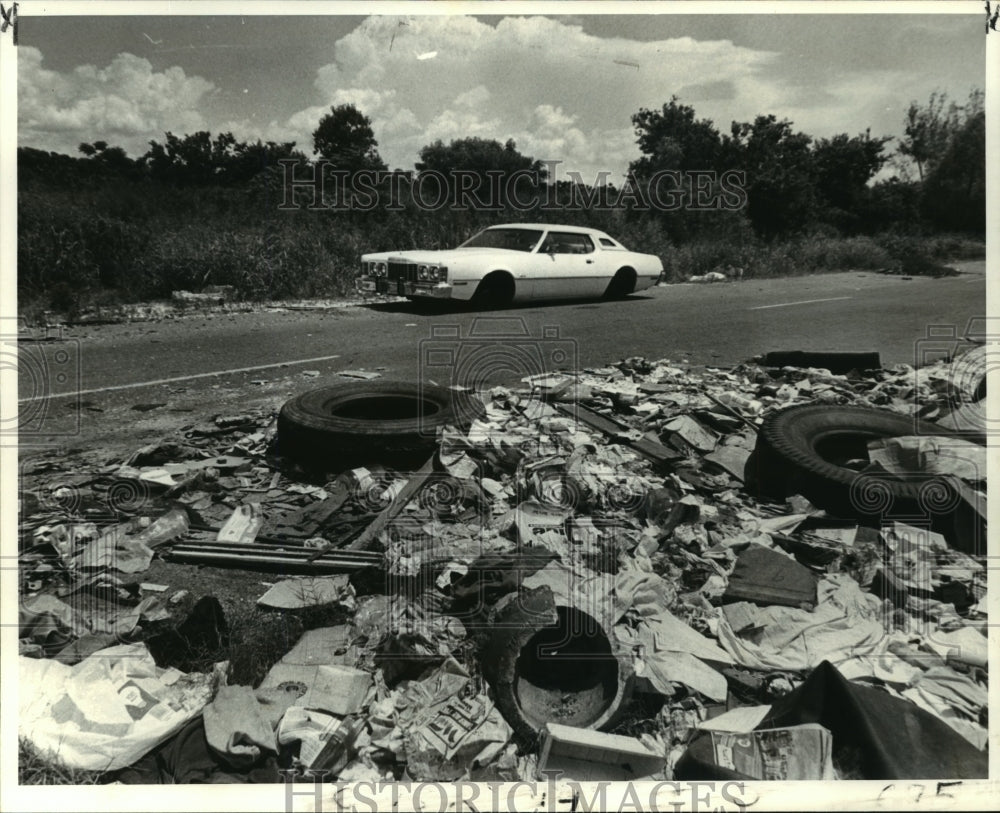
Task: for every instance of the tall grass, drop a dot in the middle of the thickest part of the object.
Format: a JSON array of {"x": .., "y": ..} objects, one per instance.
[
  {"x": 817, "y": 254},
  {"x": 117, "y": 241}
]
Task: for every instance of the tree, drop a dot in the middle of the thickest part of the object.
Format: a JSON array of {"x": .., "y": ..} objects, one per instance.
[
  {"x": 486, "y": 165},
  {"x": 672, "y": 139},
  {"x": 345, "y": 138},
  {"x": 954, "y": 192},
  {"x": 929, "y": 129},
  {"x": 686, "y": 202},
  {"x": 250, "y": 160},
  {"x": 113, "y": 158},
  {"x": 780, "y": 173},
  {"x": 475, "y": 154},
  {"x": 891, "y": 205},
  {"x": 843, "y": 167},
  {"x": 200, "y": 160},
  {"x": 186, "y": 160}
]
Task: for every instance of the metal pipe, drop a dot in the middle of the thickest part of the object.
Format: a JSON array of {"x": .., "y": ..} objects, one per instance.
[
  {"x": 269, "y": 560},
  {"x": 290, "y": 551}
]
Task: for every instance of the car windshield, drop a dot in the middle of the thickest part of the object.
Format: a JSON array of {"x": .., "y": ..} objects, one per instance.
[{"x": 515, "y": 239}]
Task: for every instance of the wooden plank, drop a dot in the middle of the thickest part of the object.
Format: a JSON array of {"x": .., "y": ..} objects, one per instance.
[
  {"x": 308, "y": 520},
  {"x": 390, "y": 512},
  {"x": 648, "y": 448}
]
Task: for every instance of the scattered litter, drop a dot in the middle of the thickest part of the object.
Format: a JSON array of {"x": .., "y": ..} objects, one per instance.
[
  {"x": 164, "y": 529},
  {"x": 780, "y": 636},
  {"x": 242, "y": 527},
  {"x": 764, "y": 576},
  {"x": 326, "y": 743},
  {"x": 295, "y": 594},
  {"x": 446, "y": 727},
  {"x": 234, "y": 727},
  {"x": 776, "y": 754},
  {"x": 331, "y": 688},
  {"x": 593, "y": 756}
]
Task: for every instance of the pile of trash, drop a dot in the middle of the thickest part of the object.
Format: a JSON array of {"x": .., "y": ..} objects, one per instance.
[{"x": 581, "y": 582}]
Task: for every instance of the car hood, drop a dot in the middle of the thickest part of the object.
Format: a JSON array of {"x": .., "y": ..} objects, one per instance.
[{"x": 448, "y": 255}]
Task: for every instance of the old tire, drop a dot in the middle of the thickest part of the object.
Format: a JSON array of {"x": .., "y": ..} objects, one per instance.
[
  {"x": 349, "y": 423},
  {"x": 802, "y": 450},
  {"x": 570, "y": 672}
]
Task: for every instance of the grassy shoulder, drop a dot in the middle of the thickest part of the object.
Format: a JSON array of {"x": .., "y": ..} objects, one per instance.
[
  {"x": 886, "y": 253},
  {"x": 106, "y": 244},
  {"x": 313, "y": 279}
]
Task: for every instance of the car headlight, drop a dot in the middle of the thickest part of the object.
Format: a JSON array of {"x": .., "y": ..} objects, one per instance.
[
  {"x": 380, "y": 269},
  {"x": 422, "y": 271}
]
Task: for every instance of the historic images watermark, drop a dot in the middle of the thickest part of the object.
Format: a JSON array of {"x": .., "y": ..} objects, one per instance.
[
  {"x": 552, "y": 796},
  {"x": 322, "y": 187}
]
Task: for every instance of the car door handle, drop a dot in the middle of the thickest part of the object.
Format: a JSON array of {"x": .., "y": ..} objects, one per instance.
[{"x": 590, "y": 262}]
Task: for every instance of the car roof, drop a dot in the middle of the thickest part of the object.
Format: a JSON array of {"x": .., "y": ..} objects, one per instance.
[{"x": 556, "y": 226}]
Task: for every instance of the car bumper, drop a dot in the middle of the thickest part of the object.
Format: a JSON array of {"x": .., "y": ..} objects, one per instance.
[{"x": 385, "y": 287}]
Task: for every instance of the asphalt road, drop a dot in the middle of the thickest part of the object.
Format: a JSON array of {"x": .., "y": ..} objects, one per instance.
[{"x": 272, "y": 355}]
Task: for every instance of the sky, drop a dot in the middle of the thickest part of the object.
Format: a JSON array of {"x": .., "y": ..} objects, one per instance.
[{"x": 563, "y": 87}]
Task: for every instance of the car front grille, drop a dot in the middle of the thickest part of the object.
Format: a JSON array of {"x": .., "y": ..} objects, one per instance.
[{"x": 404, "y": 271}]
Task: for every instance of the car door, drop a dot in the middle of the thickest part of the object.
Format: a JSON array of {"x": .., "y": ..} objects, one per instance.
[{"x": 567, "y": 267}]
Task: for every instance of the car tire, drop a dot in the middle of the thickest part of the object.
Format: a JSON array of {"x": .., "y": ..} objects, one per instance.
[
  {"x": 797, "y": 452},
  {"x": 495, "y": 290},
  {"x": 340, "y": 425},
  {"x": 588, "y": 684},
  {"x": 622, "y": 284}
]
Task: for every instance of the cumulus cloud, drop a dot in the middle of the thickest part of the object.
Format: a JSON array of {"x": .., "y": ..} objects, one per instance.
[
  {"x": 560, "y": 93},
  {"x": 125, "y": 103}
]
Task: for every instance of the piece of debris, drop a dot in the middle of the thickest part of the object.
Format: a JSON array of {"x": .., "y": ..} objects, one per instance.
[
  {"x": 593, "y": 756},
  {"x": 295, "y": 594},
  {"x": 242, "y": 526}
]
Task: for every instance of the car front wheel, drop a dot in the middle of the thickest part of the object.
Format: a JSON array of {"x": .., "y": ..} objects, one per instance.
[{"x": 496, "y": 290}]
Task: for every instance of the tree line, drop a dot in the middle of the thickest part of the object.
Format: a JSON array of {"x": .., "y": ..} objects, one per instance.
[{"x": 793, "y": 182}]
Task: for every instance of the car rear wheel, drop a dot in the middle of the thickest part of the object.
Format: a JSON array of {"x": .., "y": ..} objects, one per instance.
[{"x": 621, "y": 285}]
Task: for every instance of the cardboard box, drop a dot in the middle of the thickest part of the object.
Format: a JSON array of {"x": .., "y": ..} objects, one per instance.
[{"x": 588, "y": 755}]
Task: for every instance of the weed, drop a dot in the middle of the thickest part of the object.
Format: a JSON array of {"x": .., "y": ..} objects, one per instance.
[{"x": 35, "y": 768}]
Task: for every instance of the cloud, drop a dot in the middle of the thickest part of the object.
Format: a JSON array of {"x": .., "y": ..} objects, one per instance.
[
  {"x": 125, "y": 103},
  {"x": 560, "y": 93}
]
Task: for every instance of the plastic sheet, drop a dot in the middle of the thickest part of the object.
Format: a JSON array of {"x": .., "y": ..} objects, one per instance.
[{"x": 109, "y": 709}]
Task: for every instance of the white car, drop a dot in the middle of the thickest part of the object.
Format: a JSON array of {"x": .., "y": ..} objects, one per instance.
[{"x": 514, "y": 263}]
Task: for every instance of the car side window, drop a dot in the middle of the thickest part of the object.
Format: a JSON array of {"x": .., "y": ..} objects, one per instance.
[{"x": 568, "y": 243}]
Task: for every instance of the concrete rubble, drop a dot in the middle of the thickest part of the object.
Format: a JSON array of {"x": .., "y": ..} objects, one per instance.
[{"x": 713, "y": 611}]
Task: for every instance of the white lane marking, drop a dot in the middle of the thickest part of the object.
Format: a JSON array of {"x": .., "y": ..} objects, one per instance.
[
  {"x": 803, "y": 302},
  {"x": 180, "y": 378}
]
